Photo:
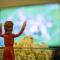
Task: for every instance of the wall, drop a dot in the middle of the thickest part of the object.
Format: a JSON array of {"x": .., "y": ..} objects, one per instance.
[{"x": 7, "y": 3}]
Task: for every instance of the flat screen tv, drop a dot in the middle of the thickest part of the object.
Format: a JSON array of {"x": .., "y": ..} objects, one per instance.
[{"x": 43, "y": 24}]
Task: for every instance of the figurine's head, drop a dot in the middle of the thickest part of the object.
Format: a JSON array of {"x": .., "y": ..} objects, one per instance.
[{"x": 8, "y": 27}]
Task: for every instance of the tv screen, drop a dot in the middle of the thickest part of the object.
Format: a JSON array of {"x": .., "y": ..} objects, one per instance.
[{"x": 43, "y": 24}]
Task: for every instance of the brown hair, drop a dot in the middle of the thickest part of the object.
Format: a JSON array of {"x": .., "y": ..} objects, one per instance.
[{"x": 8, "y": 23}]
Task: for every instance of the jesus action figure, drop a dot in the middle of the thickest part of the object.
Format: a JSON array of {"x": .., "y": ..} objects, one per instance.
[{"x": 8, "y": 53}]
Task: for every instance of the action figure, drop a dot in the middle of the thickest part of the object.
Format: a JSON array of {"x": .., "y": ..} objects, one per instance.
[{"x": 8, "y": 53}]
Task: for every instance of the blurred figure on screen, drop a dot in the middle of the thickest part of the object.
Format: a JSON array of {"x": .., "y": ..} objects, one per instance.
[{"x": 8, "y": 53}]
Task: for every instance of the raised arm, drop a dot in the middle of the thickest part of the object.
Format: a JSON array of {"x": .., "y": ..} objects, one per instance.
[
  {"x": 1, "y": 35},
  {"x": 22, "y": 29}
]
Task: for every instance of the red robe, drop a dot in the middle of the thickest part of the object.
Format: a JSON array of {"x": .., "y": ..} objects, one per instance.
[{"x": 8, "y": 53}]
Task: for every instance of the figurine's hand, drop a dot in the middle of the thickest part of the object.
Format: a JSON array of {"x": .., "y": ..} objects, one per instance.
[
  {"x": 24, "y": 24},
  {"x": 0, "y": 28}
]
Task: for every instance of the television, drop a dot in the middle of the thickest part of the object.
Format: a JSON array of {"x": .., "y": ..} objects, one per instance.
[{"x": 43, "y": 24}]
